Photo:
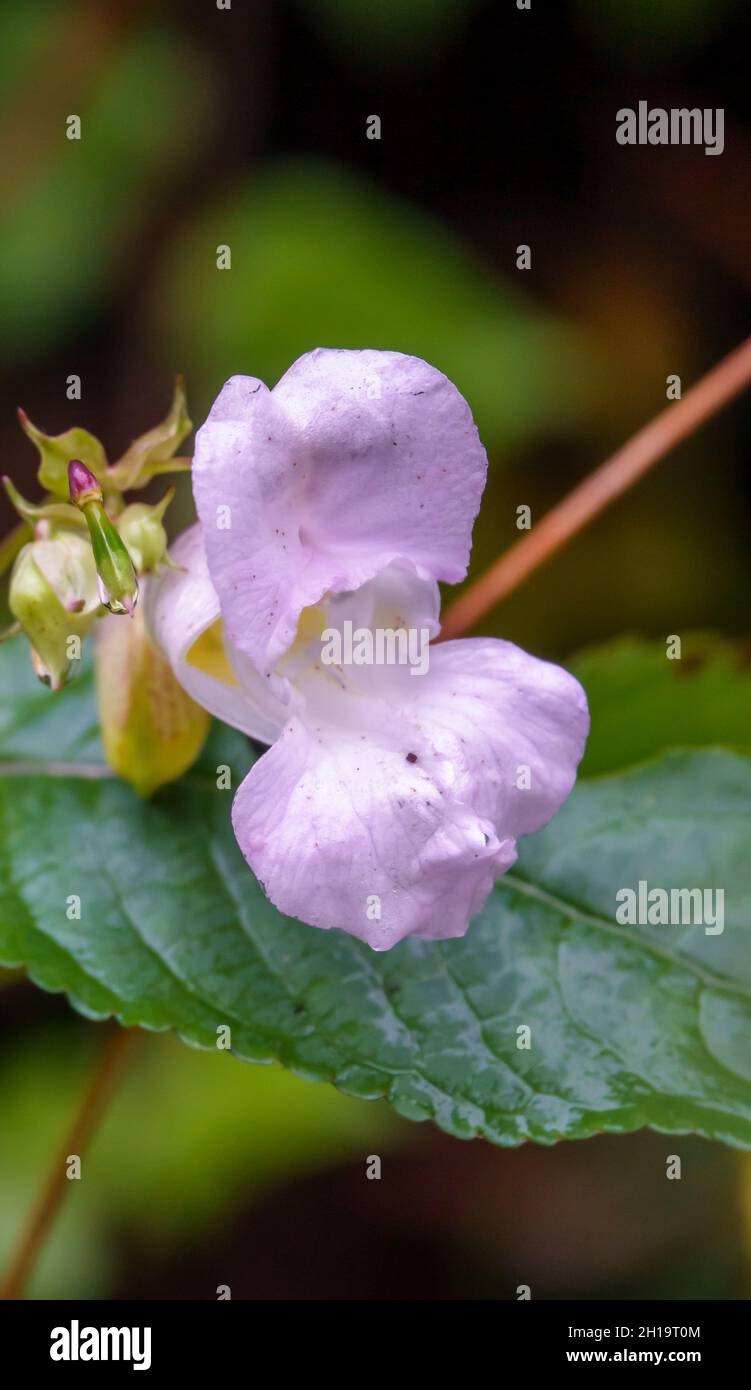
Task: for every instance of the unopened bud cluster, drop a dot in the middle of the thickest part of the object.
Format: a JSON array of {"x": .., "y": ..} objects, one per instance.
[
  {"x": 82, "y": 557},
  {"x": 85, "y": 549}
]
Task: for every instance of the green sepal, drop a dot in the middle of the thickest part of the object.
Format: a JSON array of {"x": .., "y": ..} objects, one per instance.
[
  {"x": 62, "y": 512},
  {"x": 153, "y": 451},
  {"x": 57, "y": 450},
  {"x": 140, "y": 527},
  {"x": 12, "y": 545},
  {"x": 53, "y": 595}
]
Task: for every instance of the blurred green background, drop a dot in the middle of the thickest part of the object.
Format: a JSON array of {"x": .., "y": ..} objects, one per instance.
[{"x": 247, "y": 127}]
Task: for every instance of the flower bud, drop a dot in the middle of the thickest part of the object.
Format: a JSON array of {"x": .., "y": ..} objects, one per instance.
[
  {"x": 151, "y": 730},
  {"x": 53, "y": 594},
  {"x": 118, "y": 586},
  {"x": 141, "y": 528}
]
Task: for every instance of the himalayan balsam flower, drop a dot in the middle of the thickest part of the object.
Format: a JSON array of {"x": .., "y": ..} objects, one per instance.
[{"x": 388, "y": 803}]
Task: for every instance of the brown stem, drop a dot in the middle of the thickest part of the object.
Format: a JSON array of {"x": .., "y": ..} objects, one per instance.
[
  {"x": 50, "y": 1198},
  {"x": 599, "y": 489}
]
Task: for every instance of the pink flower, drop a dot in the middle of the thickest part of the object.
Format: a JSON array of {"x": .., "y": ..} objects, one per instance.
[{"x": 389, "y": 801}]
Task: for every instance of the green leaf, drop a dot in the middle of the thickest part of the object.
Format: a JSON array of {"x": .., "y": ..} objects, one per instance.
[
  {"x": 642, "y": 703},
  {"x": 631, "y": 1026},
  {"x": 36, "y": 725},
  {"x": 56, "y": 452}
]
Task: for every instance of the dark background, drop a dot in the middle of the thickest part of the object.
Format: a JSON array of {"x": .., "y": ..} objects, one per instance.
[{"x": 248, "y": 127}]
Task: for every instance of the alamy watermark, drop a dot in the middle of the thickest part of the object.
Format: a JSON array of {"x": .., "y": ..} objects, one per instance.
[
  {"x": 679, "y": 125},
  {"x": 77, "y": 1343},
  {"x": 677, "y": 907},
  {"x": 379, "y": 646}
]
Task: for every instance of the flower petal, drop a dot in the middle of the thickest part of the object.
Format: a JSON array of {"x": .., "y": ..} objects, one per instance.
[
  {"x": 182, "y": 611},
  {"x": 396, "y": 822},
  {"x": 511, "y": 726},
  {"x": 354, "y": 460},
  {"x": 337, "y": 640},
  {"x": 344, "y": 833}
]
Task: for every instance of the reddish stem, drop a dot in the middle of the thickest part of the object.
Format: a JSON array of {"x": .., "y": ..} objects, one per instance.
[{"x": 599, "y": 489}]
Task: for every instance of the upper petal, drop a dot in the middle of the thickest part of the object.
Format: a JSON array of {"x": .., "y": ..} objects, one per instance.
[{"x": 354, "y": 460}]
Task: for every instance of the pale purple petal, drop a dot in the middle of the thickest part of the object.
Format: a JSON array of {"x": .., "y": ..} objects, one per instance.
[
  {"x": 395, "y": 601},
  {"x": 415, "y": 805},
  {"x": 345, "y": 833},
  {"x": 354, "y": 460},
  {"x": 503, "y": 719},
  {"x": 181, "y": 608}
]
